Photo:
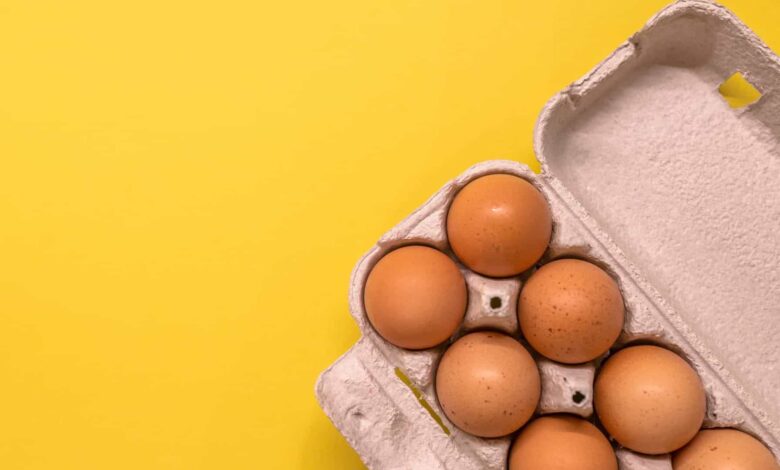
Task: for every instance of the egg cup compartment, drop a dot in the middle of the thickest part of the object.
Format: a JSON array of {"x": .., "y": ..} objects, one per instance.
[
  {"x": 492, "y": 303},
  {"x": 566, "y": 388},
  {"x": 647, "y": 124}
]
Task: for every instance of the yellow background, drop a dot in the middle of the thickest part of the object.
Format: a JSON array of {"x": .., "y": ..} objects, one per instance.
[{"x": 185, "y": 187}]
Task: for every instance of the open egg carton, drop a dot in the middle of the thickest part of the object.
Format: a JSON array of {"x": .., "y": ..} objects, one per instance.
[{"x": 649, "y": 174}]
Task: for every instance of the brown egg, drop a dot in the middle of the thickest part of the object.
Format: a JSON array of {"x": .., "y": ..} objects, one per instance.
[
  {"x": 724, "y": 449},
  {"x": 649, "y": 399},
  {"x": 488, "y": 384},
  {"x": 499, "y": 225},
  {"x": 415, "y": 297},
  {"x": 561, "y": 442},
  {"x": 571, "y": 311}
]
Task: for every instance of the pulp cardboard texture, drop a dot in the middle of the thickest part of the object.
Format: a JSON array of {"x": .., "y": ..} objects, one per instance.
[{"x": 651, "y": 175}]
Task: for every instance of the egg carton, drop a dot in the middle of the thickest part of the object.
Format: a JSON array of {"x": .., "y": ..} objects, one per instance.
[{"x": 650, "y": 174}]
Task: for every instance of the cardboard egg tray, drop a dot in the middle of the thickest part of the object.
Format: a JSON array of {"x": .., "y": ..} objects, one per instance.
[{"x": 654, "y": 177}]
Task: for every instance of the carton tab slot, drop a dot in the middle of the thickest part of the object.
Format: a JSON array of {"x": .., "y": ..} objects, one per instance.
[{"x": 738, "y": 92}]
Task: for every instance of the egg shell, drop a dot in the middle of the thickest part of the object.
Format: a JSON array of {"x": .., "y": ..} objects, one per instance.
[
  {"x": 630, "y": 460},
  {"x": 488, "y": 384},
  {"x": 499, "y": 225},
  {"x": 561, "y": 442},
  {"x": 639, "y": 168},
  {"x": 571, "y": 311},
  {"x": 649, "y": 399},
  {"x": 415, "y": 297},
  {"x": 724, "y": 449}
]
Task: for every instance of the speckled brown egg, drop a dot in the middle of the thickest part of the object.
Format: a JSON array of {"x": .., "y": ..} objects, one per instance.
[
  {"x": 499, "y": 225},
  {"x": 561, "y": 442},
  {"x": 724, "y": 449},
  {"x": 571, "y": 311},
  {"x": 415, "y": 297},
  {"x": 488, "y": 384},
  {"x": 649, "y": 399}
]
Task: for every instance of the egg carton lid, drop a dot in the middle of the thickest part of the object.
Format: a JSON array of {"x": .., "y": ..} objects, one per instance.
[{"x": 682, "y": 189}]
